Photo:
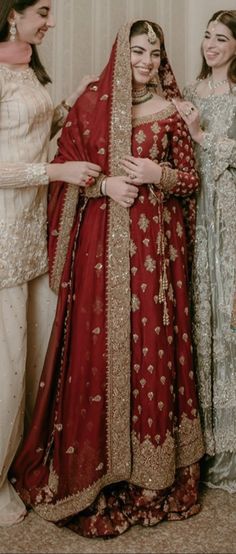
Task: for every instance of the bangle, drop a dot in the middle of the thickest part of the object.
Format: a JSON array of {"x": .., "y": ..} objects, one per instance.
[
  {"x": 65, "y": 105},
  {"x": 103, "y": 187}
]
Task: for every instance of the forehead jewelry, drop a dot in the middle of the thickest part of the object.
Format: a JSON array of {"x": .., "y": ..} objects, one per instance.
[
  {"x": 218, "y": 19},
  {"x": 220, "y": 15},
  {"x": 152, "y": 37}
]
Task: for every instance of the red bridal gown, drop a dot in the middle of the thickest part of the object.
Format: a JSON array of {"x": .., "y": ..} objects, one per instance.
[{"x": 120, "y": 445}]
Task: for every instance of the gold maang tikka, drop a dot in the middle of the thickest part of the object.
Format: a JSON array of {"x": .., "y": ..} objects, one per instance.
[
  {"x": 152, "y": 37},
  {"x": 218, "y": 19}
]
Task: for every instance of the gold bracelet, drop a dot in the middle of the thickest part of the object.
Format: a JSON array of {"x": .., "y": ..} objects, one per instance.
[{"x": 65, "y": 105}]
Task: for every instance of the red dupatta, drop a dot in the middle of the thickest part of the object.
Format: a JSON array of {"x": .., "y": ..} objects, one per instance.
[{"x": 98, "y": 129}]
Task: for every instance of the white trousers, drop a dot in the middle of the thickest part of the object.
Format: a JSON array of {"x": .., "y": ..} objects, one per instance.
[{"x": 26, "y": 317}]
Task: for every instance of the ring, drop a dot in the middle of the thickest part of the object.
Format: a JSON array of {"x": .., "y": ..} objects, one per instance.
[
  {"x": 188, "y": 112},
  {"x": 129, "y": 201},
  {"x": 132, "y": 176}
]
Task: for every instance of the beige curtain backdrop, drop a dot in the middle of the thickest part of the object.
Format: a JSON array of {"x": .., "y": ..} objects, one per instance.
[{"x": 85, "y": 30}]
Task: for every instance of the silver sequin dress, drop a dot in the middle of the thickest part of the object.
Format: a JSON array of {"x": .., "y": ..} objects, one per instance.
[{"x": 214, "y": 283}]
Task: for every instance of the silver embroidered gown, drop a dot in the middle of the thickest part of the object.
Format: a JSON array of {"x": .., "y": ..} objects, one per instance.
[{"x": 214, "y": 284}]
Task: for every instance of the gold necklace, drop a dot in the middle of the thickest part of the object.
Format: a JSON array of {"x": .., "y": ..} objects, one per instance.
[{"x": 141, "y": 95}]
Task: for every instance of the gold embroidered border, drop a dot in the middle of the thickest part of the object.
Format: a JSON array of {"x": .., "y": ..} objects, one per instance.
[
  {"x": 118, "y": 273},
  {"x": 65, "y": 224},
  {"x": 153, "y": 466},
  {"x": 74, "y": 503},
  {"x": 165, "y": 112},
  {"x": 189, "y": 441}
]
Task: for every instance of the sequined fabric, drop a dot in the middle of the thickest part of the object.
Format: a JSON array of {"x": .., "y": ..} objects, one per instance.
[{"x": 214, "y": 275}]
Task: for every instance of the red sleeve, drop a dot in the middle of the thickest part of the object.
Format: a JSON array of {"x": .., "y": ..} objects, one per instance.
[{"x": 179, "y": 175}]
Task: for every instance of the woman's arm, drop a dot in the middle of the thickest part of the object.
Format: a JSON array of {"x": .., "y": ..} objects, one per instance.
[
  {"x": 221, "y": 148},
  {"x": 21, "y": 175}
]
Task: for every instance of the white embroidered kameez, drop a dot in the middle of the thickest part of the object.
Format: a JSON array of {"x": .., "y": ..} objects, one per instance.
[
  {"x": 214, "y": 284},
  {"x": 26, "y": 303}
]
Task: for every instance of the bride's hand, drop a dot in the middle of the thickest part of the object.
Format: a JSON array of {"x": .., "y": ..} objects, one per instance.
[
  {"x": 121, "y": 190},
  {"x": 141, "y": 170}
]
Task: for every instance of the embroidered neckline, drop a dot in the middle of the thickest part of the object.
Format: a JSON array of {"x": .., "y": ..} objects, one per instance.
[
  {"x": 162, "y": 114},
  {"x": 231, "y": 91},
  {"x": 19, "y": 75}
]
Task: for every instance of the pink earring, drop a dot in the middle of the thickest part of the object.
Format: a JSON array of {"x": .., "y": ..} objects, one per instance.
[{"x": 12, "y": 31}]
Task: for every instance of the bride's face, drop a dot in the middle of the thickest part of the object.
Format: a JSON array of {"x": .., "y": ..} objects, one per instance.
[{"x": 145, "y": 59}]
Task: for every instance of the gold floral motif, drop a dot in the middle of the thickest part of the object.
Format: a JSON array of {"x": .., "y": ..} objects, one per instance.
[
  {"x": 135, "y": 303},
  {"x": 155, "y": 128},
  {"x": 96, "y": 331},
  {"x": 143, "y": 222},
  {"x": 150, "y": 264},
  {"x": 154, "y": 151},
  {"x": 132, "y": 248},
  {"x": 166, "y": 215},
  {"x": 179, "y": 230},
  {"x": 140, "y": 137},
  {"x": 173, "y": 253},
  {"x": 99, "y": 266}
]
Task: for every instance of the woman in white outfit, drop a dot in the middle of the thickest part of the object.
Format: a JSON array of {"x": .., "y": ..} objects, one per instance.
[{"x": 27, "y": 121}]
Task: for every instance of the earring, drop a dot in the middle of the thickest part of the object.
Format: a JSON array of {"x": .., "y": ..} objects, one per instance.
[
  {"x": 12, "y": 31},
  {"x": 155, "y": 82}
]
